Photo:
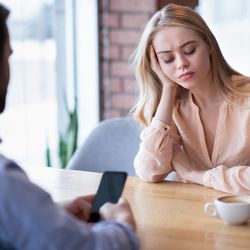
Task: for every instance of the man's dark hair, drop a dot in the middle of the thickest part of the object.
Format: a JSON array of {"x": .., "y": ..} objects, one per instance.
[
  {"x": 3, "y": 37},
  {"x": 3, "y": 29}
]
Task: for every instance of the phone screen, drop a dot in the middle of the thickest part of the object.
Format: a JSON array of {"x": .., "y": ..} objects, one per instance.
[{"x": 109, "y": 190}]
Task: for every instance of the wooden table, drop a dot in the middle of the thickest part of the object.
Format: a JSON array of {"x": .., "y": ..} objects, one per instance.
[{"x": 169, "y": 215}]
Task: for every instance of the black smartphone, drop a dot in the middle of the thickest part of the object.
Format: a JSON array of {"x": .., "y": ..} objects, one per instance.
[{"x": 109, "y": 190}]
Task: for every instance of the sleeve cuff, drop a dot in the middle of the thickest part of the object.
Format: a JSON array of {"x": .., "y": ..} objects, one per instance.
[
  {"x": 156, "y": 123},
  {"x": 107, "y": 227}
]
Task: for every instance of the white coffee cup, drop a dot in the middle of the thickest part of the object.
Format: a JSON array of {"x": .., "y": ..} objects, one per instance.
[{"x": 233, "y": 209}]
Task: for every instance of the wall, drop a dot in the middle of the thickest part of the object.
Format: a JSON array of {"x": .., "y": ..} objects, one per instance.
[{"x": 121, "y": 24}]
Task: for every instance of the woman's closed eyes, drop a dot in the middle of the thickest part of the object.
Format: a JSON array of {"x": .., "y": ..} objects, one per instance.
[{"x": 189, "y": 51}]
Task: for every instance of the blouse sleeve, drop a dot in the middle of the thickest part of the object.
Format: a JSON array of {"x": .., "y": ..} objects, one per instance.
[
  {"x": 153, "y": 160},
  {"x": 235, "y": 180}
]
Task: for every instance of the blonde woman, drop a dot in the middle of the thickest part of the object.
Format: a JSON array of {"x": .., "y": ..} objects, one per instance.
[{"x": 194, "y": 106}]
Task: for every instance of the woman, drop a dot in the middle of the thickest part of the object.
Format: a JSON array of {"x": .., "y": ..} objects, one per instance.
[
  {"x": 29, "y": 219},
  {"x": 194, "y": 105}
]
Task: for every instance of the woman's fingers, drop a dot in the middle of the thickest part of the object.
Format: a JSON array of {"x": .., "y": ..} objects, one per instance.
[
  {"x": 154, "y": 62},
  {"x": 156, "y": 67}
]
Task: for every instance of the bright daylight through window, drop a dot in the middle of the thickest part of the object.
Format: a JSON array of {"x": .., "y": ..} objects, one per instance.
[
  {"x": 50, "y": 48},
  {"x": 229, "y": 20},
  {"x": 30, "y": 115}
]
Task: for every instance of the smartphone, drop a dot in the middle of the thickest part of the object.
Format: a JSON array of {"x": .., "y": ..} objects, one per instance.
[{"x": 109, "y": 190}]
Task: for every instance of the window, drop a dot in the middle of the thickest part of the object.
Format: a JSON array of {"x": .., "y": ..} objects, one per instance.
[
  {"x": 229, "y": 21},
  {"x": 55, "y": 44},
  {"x": 30, "y": 114}
]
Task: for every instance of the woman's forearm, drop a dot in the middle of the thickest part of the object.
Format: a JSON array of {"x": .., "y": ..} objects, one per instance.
[{"x": 165, "y": 107}]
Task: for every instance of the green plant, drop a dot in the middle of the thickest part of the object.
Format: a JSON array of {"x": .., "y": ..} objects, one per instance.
[
  {"x": 48, "y": 154},
  {"x": 67, "y": 142}
]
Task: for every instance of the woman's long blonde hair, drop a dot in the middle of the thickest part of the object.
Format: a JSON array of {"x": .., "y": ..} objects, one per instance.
[{"x": 150, "y": 86}]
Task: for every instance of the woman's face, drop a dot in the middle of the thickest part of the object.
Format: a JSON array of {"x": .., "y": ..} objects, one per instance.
[
  {"x": 5, "y": 77},
  {"x": 183, "y": 56}
]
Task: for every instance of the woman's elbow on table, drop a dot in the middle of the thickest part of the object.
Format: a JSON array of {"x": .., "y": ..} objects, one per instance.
[
  {"x": 146, "y": 172},
  {"x": 153, "y": 178}
]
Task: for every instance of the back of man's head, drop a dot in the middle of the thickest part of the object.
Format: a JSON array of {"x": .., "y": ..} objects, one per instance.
[
  {"x": 3, "y": 16},
  {"x": 3, "y": 37}
]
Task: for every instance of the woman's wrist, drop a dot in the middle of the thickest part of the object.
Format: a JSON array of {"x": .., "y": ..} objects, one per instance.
[
  {"x": 169, "y": 90},
  {"x": 165, "y": 107}
]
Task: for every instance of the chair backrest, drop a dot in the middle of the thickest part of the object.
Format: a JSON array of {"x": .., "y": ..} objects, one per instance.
[{"x": 111, "y": 146}]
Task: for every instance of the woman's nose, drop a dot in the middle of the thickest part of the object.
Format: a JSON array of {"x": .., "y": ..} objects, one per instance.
[{"x": 182, "y": 62}]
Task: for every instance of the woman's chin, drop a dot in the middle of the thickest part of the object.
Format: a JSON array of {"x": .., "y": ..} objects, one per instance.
[{"x": 186, "y": 85}]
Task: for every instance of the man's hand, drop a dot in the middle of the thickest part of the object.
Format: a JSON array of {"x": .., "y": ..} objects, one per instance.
[
  {"x": 79, "y": 207},
  {"x": 120, "y": 212}
]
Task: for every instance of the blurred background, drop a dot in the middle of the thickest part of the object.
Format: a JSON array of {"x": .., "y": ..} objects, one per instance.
[{"x": 71, "y": 58}]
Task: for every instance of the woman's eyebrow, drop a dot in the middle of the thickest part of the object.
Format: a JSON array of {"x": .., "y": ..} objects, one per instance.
[{"x": 183, "y": 45}]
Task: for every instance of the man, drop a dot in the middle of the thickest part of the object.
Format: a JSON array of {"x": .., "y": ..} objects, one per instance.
[{"x": 29, "y": 219}]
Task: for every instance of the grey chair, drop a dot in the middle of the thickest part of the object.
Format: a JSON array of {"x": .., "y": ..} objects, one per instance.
[{"x": 111, "y": 146}]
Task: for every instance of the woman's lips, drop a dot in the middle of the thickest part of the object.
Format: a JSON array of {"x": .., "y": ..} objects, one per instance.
[{"x": 186, "y": 76}]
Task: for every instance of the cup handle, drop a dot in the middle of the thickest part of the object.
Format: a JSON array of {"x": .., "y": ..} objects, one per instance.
[{"x": 213, "y": 213}]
